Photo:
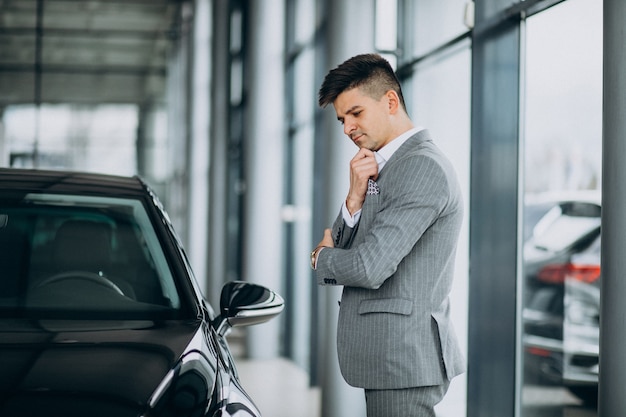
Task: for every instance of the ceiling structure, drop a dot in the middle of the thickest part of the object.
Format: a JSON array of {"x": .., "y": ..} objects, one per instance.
[{"x": 85, "y": 51}]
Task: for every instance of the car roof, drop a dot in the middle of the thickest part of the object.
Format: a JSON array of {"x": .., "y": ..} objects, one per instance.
[{"x": 60, "y": 182}]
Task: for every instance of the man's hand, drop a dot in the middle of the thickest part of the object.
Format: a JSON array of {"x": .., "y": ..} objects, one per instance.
[
  {"x": 326, "y": 242},
  {"x": 362, "y": 167}
]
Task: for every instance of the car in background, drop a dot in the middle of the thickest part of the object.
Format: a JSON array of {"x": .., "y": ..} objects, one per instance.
[
  {"x": 561, "y": 267},
  {"x": 99, "y": 312}
]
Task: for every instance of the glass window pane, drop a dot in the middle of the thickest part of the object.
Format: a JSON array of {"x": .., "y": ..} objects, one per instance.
[
  {"x": 434, "y": 23},
  {"x": 386, "y": 25},
  {"x": 562, "y": 162},
  {"x": 305, "y": 21}
]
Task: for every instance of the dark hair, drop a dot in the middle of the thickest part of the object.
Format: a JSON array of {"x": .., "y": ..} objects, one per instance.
[{"x": 370, "y": 72}]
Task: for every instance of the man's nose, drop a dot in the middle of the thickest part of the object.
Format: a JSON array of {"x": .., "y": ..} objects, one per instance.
[{"x": 348, "y": 128}]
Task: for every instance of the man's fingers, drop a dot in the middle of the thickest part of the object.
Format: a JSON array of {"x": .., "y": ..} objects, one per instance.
[
  {"x": 364, "y": 160},
  {"x": 366, "y": 168},
  {"x": 364, "y": 153},
  {"x": 328, "y": 238}
]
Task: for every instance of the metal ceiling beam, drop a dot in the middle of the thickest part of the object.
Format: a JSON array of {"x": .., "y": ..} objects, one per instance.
[{"x": 94, "y": 70}]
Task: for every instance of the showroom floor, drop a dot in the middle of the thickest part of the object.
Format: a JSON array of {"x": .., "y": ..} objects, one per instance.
[{"x": 279, "y": 387}]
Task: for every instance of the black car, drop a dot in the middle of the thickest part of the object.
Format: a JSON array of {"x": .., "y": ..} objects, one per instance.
[
  {"x": 99, "y": 311},
  {"x": 561, "y": 313}
]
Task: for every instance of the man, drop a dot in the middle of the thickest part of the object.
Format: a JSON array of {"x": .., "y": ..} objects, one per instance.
[{"x": 392, "y": 247}]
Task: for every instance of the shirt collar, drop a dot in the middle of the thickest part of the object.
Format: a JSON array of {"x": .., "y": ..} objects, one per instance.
[{"x": 386, "y": 152}]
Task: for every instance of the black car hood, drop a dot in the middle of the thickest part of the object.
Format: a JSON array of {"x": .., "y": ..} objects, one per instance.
[{"x": 87, "y": 367}]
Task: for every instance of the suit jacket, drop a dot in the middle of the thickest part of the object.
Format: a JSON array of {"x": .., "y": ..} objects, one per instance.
[{"x": 396, "y": 266}]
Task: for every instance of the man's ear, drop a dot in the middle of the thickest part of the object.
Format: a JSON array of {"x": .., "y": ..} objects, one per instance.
[{"x": 394, "y": 101}]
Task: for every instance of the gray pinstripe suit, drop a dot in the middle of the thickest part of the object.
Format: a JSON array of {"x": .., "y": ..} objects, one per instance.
[{"x": 396, "y": 266}]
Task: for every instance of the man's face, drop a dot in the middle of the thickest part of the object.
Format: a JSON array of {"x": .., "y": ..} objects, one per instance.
[{"x": 365, "y": 120}]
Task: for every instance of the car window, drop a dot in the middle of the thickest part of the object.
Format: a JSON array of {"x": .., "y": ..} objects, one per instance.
[
  {"x": 68, "y": 253},
  {"x": 532, "y": 214},
  {"x": 566, "y": 224}
]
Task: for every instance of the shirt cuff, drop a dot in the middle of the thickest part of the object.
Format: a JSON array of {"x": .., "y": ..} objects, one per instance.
[{"x": 349, "y": 220}]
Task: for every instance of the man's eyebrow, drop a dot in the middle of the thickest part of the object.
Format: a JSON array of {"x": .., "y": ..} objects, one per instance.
[{"x": 350, "y": 111}]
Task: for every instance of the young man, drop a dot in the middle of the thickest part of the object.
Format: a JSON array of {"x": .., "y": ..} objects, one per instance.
[{"x": 392, "y": 247}]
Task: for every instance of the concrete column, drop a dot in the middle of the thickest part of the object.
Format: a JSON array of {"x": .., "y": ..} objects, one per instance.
[
  {"x": 493, "y": 330},
  {"x": 351, "y": 26},
  {"x": 264, "y": 142},
  {"x": 151, "y": 144},
  {"x": 612, "y": 401},
  {"x": 177, "y": 189},
  {"x": 218, "y": 167},
  {"x": 4, "y": 147},
  {"x": 199, "y": 141}
]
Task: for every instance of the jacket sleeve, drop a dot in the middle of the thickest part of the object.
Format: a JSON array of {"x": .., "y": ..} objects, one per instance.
[
  {"x": 342, "y": 234},
  {"x": 413, "y": 196}
]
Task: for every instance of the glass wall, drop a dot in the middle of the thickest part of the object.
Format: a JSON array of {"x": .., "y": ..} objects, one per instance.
[
  {"x": 433, "y": 24},
  {"x": 561, "y": 221}
]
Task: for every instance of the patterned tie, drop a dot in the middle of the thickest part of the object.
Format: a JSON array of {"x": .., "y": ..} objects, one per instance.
[{"x": 372, "y": 187}]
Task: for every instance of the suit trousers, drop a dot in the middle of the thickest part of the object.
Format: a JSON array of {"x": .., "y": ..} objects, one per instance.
[{"x": 408, "y": 402}]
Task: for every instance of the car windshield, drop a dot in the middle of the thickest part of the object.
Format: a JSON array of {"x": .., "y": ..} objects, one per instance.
[{"x": 82, "y": 256}]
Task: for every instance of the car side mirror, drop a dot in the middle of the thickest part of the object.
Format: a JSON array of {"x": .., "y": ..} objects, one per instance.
[{"x": 245, "y": 304}]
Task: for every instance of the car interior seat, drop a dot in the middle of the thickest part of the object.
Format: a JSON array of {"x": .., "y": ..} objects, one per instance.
[{"x": 86, "y": 245}]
